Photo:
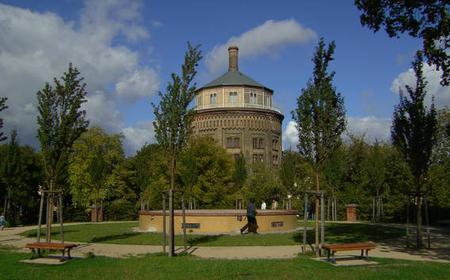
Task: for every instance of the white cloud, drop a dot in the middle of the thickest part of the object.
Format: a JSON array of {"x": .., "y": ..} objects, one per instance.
[
  {"x": 35, "y": 47},
  {"x": 137, "y": 136},
  {"x": 371, "y": 127},
  {"x": 102, "y": 111},
  {"x": 140, "y": 83},
  {"x": 267, "y": 38},
  {"x": 290, "y": 136},
  {"x": 441, "y": 94}
]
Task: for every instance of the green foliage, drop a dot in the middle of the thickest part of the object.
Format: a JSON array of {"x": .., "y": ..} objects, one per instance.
[
  {"x": 263, "y": 184},
  {"x": 2, "y": 107},
  {"x": 428, "y": 20},
  {"x": 206, "y": 171},
  {"x": 60, "y": 122},
  {"x": 296, "y": 174},
  {"x": 123, "y": 192},
  {"x": 320, "y": 112},
  {"x": 173, "y": 116},
  {"x": 414, "y": 126},
  {"x": 20, "y": 173},
  {"x": 95, "y": 156},
  {"x": 151, "y": 172},
  {"x": 240, "y": 171},
  {"x": 438, "y": 175}
]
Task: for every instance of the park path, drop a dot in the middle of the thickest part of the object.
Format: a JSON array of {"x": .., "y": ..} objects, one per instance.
[{"x": 10, "y": 237}]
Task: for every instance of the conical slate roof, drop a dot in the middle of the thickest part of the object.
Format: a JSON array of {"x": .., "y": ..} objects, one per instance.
[{"x": 234, "y": 77}]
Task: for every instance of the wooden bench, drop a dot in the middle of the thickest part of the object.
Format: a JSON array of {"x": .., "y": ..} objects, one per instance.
[
  {"x": 36, "y": 247},
  {"x": 333, "y": 248}
]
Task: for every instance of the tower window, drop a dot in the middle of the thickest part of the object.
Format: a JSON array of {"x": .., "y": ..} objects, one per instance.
[
  {"x": 258, "y": 158},
  {"x": 252, "y": 98},
  {"x": 233, "y": 142},
  {"x": 213, "y": 98},
  {"x": 233, "y": 97},
  {"x": 258, "y": 143}
]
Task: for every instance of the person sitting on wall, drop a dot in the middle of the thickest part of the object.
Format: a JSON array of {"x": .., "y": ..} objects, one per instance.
[
  {"x": 274, "y": 204},
  {"x": 251, "y": 225},
  {"x": 263, "y": 205}
]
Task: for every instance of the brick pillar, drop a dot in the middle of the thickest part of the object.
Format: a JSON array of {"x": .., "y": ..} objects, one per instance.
[
  {"x": 233, "y": 58},
  {"x": 351, "y": 212}
]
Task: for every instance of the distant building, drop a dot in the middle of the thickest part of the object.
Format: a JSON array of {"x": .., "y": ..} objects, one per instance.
[{"x": 237, "y": 112}]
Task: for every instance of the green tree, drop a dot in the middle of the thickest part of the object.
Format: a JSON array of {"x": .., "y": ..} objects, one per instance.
[
  {"x": 20, "y": 173},
  {"x": 428, "y": 20},
  {"x": 212, "y": 167},
  {"x": 240, "y": 172},
  {"x": 95, "y": 156},
  {"x": 320, "y": 117},
  {"x": 60, "y": 122},
  {"x": 123, "y": 192},
  {"x": 152, "y": 176},
  {"x": 438, "y": 174},
  {"x": 173, "y": 119},
  {"x": 413, "y": 132},
  {"x": 2, "y": 107},
  {"x": 295, "y": 173},
  {"x": 264, "y": 184}
]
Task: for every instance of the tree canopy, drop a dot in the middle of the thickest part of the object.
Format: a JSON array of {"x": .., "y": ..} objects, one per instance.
[
  {"x": 2, "y": 107},
  {"x": 60, "y": 122},
  {"x": 413, "y": 132},
  {"x": 95, "y": 156},
  {"x": 425, "y": 19}
]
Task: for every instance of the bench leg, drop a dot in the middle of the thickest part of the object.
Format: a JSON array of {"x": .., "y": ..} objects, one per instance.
[
  {"x": 63, "y": 255},
  {"x": 33, "y": 253}
]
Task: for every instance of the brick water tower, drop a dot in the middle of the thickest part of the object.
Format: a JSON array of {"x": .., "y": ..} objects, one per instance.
[{"x": 238, "y": 113}]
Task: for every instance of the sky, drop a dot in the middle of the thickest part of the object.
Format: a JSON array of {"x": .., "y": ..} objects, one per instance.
[{"x": 127, "y": 50}]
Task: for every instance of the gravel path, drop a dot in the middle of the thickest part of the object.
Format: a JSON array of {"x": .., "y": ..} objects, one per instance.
[{"x": 395, "y": 249}]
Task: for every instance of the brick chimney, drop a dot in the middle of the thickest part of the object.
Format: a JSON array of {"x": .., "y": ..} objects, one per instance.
[{"x": 233, "y": 58}]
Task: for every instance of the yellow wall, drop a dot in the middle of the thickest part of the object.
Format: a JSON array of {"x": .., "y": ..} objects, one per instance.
[{"x": 218, "y": 224}]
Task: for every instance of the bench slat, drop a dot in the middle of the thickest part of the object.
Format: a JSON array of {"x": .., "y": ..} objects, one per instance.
[
  {"x": 349, "y": 246},
  {"x": 45, "y": 245}
]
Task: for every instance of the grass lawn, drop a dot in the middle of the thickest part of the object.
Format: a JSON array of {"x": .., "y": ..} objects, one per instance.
[
  {"x": 121, "y": 233},
  {"x": 187, "y": 267}
]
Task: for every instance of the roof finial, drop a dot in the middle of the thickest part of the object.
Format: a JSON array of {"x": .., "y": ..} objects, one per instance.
[{"x": 233, "y": 58}]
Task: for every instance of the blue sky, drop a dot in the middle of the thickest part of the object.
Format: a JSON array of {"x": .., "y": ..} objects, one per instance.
[{"x": 127, "y": 49}]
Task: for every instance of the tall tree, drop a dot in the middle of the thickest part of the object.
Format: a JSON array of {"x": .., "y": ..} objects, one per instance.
[
  {"x": 240, "y": 172},
  {"x": 11, "y": 171},
  {"x": 425, "y": 19},
  {"x": 95, "y": 156},
  {"x": 439, "y": 175},
  {"x": 2, "y": 107},
  {"x": 413, "y": 132},
  {"x": 320, "y": 117},
  {"x": 20, "y": 173},
  {"x": 206, "y": 170},
  {"x": 60, "y": 122},
  {"x": 173, "y": 119}
]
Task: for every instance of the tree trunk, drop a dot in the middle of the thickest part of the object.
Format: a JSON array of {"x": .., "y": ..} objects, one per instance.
[
  {"x": 164, "y": 237},
  {"x": 317, "y": 215},
  {"x": 184, "y": 222},
  {"x": 427, "y": 222},
  {"x": 419, "y": 240},
  {"x": 305, "y": 222},
  {"x": 171, "y": 210},
  {"x": 49, "y": 212}
]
